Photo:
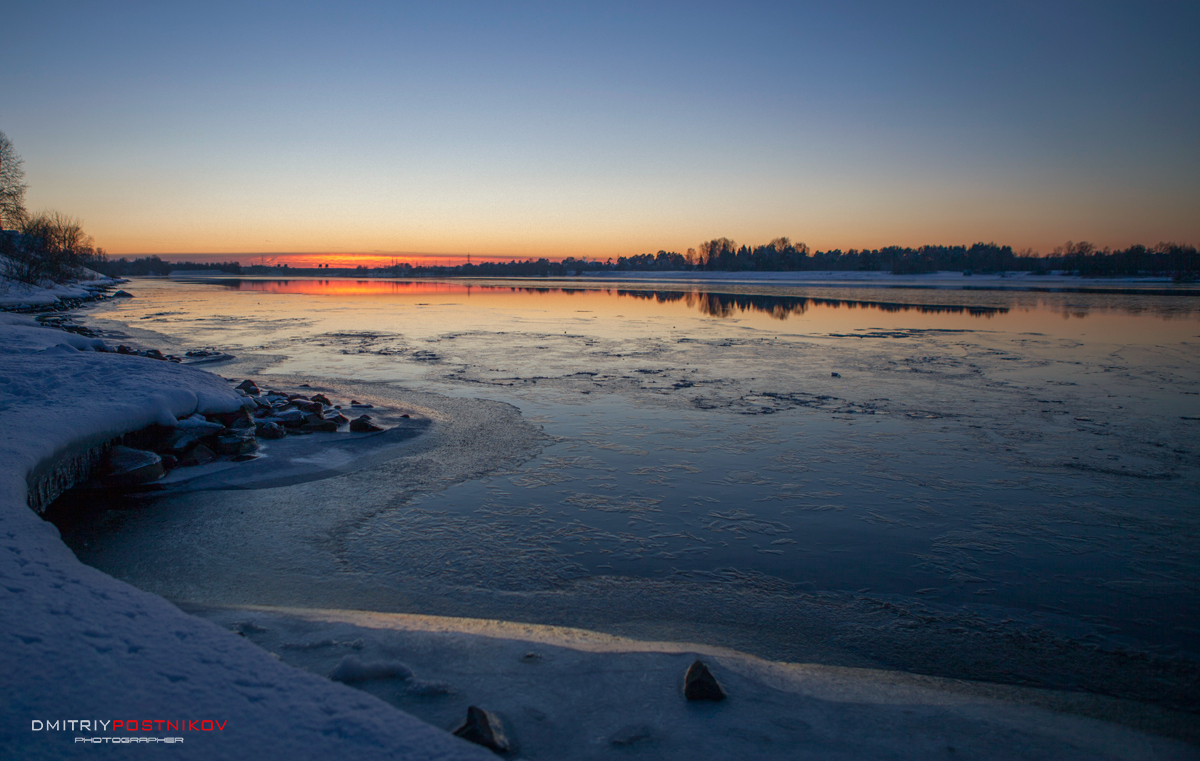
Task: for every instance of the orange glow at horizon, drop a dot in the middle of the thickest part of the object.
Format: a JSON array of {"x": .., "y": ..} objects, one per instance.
[{"x": 342, "y": 260}]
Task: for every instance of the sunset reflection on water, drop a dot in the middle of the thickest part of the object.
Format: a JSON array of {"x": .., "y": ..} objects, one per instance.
[{"x": 829, "y": 309}]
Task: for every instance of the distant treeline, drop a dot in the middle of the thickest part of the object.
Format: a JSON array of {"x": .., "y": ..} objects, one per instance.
[
  {"x": 781, "y": 254},
  {"x": 1179, "y": 261},
  {"x": 152, "y": 265}
]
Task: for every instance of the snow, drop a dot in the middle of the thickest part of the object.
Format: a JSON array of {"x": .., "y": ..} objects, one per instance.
[
  {"x": 80, "y": 645},
  {"x": 567, "y": 693},
  {"x": 15, "y": 293}
]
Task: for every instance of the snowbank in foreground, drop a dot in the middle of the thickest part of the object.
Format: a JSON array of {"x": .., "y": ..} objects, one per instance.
[
  {"x": 573, "y": 694},
  {"x": 76, "y": 644}
]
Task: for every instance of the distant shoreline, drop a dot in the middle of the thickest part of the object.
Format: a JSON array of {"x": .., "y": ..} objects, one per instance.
[{"x": 946, "y": 280}]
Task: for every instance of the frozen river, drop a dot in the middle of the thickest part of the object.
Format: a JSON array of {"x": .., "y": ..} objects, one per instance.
[{"x": 986, "y": 484}]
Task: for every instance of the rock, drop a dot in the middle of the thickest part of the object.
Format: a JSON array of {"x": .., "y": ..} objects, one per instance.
[
  {"x": 125, "y": 466},
  {"x": 311, "y": 407},
  {"x": 835, "y": 375},
  {"x": 700, "y": 684},
  {"x": 288, "y": 418},
  {"x": 484, "y": 728},
  {"x": 350, "y": 669},
  {"x": 364, "y": 405},
  {"x": 198, "y": 422},
  {"x": 123, "y": 349},
  {"x": 363, "y": 425},
  {"x": 153, "y": 354},
  {"x": 321, "y": 398},
  {"x": 325, "y": 426},
  {"x": 122, "y": 295},
  {"x": 227, "y": 419},
  {"x": 182, "y": 440},
  {"x": 170, "y": 462},
  {"x": 268, "y": 430},
  {"x": 200, "y": 455},
  {"x": 249, "y": 386},
  {"x": 236, "y": 443},
  {"x": 242, "y": 424},
  {"x": 338, "y": 418}
]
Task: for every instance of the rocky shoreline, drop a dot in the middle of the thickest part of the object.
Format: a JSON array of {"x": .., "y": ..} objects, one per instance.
[
  {"x": 143, "y": 457},
  {"x": 136, "y": 460}
]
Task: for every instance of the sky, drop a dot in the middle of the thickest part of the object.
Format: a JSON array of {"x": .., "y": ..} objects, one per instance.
[{"x": 514, "y": 130}]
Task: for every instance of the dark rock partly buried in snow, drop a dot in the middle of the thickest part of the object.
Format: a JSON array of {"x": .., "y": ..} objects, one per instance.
[
  {"x": 700, "y": 684},
  {"x": 227, "y": 419},
  {"x": 179, "y": 441},
  {"x": 268, "y": 430},
  {"x": 200, "y": 455},
  {"x": 237, "y": 443},
  {"x": 249, "y": 386},
  {"x": 351, "y": 670},
  {"x": 125, "y": 467},
  {"x": 484, "y": 728},
  {"x": 321, "y": 398},
  {"x": 289, "y": 418},
  {"x": 122, "y": 295},
  {"x": 363, "y": 425},
  {"x": 325, "y": 426}
]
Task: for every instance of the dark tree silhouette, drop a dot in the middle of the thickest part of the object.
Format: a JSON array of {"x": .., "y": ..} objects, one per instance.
[{"x": 12, "y": 186}]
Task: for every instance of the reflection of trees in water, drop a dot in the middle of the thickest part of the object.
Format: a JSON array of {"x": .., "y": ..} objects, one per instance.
[
  {"x": 782, "y": 307},
  {"x": 1068, "y": 302}
]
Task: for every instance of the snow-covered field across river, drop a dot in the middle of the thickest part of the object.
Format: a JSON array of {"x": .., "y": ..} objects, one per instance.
[{"x": 898, "y": 521}]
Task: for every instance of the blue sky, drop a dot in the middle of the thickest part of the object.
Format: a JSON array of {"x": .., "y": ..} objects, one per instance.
[{"x": 552, "y": 129}]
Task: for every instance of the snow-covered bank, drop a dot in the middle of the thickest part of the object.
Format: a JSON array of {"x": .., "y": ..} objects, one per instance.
[
  {"x": 572, "y": 694},
  {"x": 80, "y": 645},
  {"x": 14, "y": 294}
]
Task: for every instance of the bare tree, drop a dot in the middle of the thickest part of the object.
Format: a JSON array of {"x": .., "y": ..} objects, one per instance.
[
  {"x": 12, "y": 186},
  {"x": 53, "y": 246}
]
